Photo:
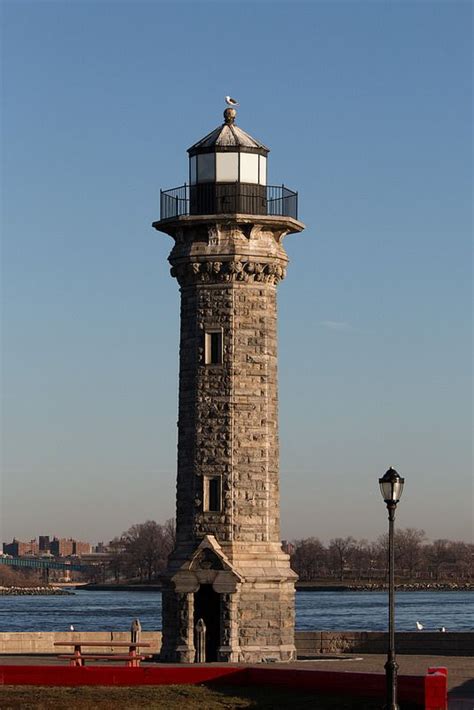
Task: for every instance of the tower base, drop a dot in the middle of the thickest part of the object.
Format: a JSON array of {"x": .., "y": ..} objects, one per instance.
[{"x": 246, "y": 604}]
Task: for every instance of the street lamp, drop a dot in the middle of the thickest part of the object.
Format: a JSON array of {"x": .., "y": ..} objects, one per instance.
[{"x": 391, "y": 487}]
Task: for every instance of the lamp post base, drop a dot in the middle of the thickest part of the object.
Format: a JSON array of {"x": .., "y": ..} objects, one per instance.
[{"x": 391, "y": 668}]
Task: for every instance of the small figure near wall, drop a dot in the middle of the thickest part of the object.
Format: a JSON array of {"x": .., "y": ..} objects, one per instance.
[{"x": 135, "y": 631}]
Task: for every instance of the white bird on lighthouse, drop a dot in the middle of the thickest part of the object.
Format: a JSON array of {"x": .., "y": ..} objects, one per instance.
[
  {"x": 230, "y": 101},
  {"x": 419, "y": 626}
]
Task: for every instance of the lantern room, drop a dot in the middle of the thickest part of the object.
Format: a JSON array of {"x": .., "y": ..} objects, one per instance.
[
  {"x": 228, "y": 154},
  {"x": 228, "y": 175},
  {"x": 228, "y": 171}
]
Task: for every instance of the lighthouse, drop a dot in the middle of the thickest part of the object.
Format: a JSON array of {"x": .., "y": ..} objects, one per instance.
[{"x": 229, "y": 590}]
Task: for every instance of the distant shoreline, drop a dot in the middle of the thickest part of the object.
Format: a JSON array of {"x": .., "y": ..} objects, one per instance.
[
  {"x": 15, "y": 591},
  {"x": 402, "y": 587},
  {"x": 307, "y": 587}
]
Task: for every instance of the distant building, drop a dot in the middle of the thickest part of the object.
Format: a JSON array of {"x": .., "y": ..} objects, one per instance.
[
  {"x": 44, "y": 543},
  {"x": 64, "y": 547},
  {"x": 81, "y": 548},
  {"x": 11, "y": 548},
  {"x": 17, "y": 548},
  {"x": 60, "y": 547}
]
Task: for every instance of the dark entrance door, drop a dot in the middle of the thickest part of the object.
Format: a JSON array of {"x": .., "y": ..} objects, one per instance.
[{"x": 207, "y": 608}]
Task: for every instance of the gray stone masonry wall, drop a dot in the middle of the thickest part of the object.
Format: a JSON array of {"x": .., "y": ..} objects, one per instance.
[
  {"x": 228, "y": 418},
  {"x": 266, "y": 622}
]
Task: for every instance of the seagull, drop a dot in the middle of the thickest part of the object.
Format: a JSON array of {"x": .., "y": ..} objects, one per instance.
[
  {"x": 71, "y": 628},
  {"x": 419, "y": 626},
  {"x": 231, "y": 102},
  {"x": 442, "y": 629}
]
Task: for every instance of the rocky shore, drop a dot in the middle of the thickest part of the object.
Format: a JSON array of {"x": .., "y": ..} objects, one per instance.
[
  {"x": 32, "y": 591},
  {"x": 311, "y": 587},
  {"x": 377, "y": 587},
  {"x": 434, "y": 587}
]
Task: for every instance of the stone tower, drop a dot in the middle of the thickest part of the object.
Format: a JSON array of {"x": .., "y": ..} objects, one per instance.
[{"x": 228, "y": 567}]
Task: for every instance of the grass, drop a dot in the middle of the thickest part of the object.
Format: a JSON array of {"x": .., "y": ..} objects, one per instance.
[{"x": 171, "y": 697}]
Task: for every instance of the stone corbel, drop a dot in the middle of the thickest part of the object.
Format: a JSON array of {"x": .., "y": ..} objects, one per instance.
[
  {"x": 279, "y": 234},
  {"x": 226, "y": 582},
  {"x": 213, "y": 235},
  {"x": 247, "y": 229},
  {"x": 185, "y": 582},
  {"x": 254, "y": 231}
]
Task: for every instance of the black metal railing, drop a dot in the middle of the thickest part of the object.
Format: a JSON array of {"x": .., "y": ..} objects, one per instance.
[
  {"x": 225, "y": 198},
  {"x": 175, "y": 202},
  {"x": 282, "y": 201}
]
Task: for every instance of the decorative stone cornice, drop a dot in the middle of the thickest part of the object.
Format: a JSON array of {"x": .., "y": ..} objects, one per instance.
[
  {"x": 280, "y": 225},
  {"x": 219, "y": 272}
]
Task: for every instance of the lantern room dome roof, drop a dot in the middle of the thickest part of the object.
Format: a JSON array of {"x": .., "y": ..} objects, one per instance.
[{"x": 227, "y": 137}]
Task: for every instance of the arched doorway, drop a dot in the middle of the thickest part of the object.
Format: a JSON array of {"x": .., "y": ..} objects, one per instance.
[{"x": 207, "y": 608}]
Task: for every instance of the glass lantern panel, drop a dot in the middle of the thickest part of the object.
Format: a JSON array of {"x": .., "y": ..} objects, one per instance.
[
  {"x": 192, "y": 170},
  {"x": 391, "y": 490},
  {"x": 227, "y": 167},
  {"x": 397, "y": 490},
  {"x": 249, "y": 167},
  {"x": 262, "y": 170},
  {"x": 206, "y": 167},
  {"x": 386, "y": 489}
]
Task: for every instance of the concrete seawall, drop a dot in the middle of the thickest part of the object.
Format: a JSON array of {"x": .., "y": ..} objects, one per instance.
[
  {"x": 308, "y": 643},
  {"x": 43, "y": 641}
]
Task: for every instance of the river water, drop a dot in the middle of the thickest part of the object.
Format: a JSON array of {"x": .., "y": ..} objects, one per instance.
[{"x": 328, "y": 611}]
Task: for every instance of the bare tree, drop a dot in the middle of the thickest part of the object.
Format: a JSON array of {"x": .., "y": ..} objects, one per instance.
[
  {"x": 309, "y": 558},
  {"x": 147, "y": 547},
  {"x": 409, "y": 545},
  {"x": 142, "y": 552},
  {"x": 19, "y": 577},
  {"x": 463, "y": 558},
  {"x": 360, "y": 557},
  {"x": 169, "y": 529},
  {"x": 340, "y": 550},
  {"x": 118, "y": 561},
  {"x": 439, "y": 554}
]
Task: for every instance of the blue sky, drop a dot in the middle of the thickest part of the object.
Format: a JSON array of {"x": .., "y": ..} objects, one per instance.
[{"x": 366, "y": 107}]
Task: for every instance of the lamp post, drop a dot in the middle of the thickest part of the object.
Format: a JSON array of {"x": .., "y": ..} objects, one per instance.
[{"x": 391, "y": 487}]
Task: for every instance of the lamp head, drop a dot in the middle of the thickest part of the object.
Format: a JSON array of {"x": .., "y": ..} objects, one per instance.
[{"x": 391, "y": 487}]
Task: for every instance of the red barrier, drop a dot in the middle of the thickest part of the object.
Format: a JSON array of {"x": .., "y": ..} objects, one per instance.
[
  {"x": 116, "y": 675},
  {"x": 428, "y": 692},
  {"x": 436, "y": 689},
  {"x": 368, "y": 685}
]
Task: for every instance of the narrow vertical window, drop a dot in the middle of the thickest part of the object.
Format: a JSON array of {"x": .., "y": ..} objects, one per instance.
[
  {"x": 212, "y": 494},
  {"x": 213, "y": 347}
]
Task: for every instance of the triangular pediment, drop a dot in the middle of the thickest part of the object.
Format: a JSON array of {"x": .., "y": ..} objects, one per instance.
[{"x": 209, "y": 557}]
